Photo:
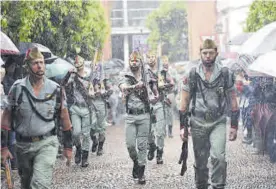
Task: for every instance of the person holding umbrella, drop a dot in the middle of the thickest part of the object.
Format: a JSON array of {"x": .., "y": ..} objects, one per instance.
[{"x": 34, "y": 102}]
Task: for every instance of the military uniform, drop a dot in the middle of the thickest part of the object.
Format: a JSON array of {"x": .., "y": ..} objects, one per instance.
[
  {"x": 81, "y": 114},
  {"x": 37, "y": 143},
  {"x": 158, "y": 128},
  {"x": 137, "y": 121},
  {"x": 208, "y": 126},
  {"x": 99, "y": 126}
]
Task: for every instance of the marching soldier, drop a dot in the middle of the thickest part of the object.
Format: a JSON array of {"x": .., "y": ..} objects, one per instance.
[
  {"x": 80, "y": 110},
  {"x": 168, "y": 106},
  {"x": 158, "y": 129},
  {"x": 103, "y": 91},
  {"x": 209, "y": 87},
  {"x": 33, "y": 103},
  {"x": 138, "y": 115}
]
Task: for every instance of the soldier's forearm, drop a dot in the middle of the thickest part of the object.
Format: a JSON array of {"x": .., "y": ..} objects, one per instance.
[
  {"x": 5, "y": 128},
  {"x": 235, "y": 112},
  {"x": 184, "y": 101},
  {"x": 65, "y": 118}
]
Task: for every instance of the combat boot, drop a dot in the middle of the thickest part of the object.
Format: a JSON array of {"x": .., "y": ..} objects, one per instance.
[
  {"x": 135, "y": 170},
  {"x": 95, "y": 143},
  {"x": 100, "y": 149},
  {"x": 78, "y": 155},
  {"x": 84, "y": 158},
  {"x": 170, "y": 131},
  {"x": 152, "y": 148},
  {"x": 159, "y": 159},
  {"x": 141, "y": 175}
]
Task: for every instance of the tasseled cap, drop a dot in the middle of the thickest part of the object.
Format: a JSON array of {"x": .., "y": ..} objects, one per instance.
[
  {"x": 165, "y": 59},
  {"x": 32, "y": 54},
  {"x": 151, "y": 53},
  {"x": 79, "y": 60},
  {"x": 208, "y": 44},
  {"x": 135, "y": 56}
]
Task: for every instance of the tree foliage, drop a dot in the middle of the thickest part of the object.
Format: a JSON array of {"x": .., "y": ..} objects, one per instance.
[
  {"x": 65, "y": 27},
  {"x": 260, "y": 14},
  {"x": 168, "y": 24}
]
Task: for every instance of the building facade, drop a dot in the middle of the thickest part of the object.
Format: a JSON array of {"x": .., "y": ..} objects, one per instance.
[
  {"x": 202, "y": 18},
  {"x": 231, "y": 19},
  {"x": 128, "y": 31}
]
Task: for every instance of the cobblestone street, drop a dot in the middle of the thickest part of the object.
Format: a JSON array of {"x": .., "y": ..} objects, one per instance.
[{"x": 113, "y": 169}]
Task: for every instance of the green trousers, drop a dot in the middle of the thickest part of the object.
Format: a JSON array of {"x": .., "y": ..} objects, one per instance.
[
  {"x": 137, "y": 132},
  {"x": 158, "y": 129},
  {"x": 80, "y": 117},
  {"x": 36, "y": 162},
  {"x": 209, "y": 141},
  {"x": 99, "y": 126}
]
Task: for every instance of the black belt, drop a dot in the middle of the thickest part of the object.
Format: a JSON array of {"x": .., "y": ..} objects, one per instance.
[
  {"x": 209, "y": 116},
  {"x": 20, "y": 138},
  {"x": 137, "y": 111},
  {"x": 82, "y": 104}
]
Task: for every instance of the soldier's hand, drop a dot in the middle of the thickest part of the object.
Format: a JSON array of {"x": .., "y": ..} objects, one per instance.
[
  {"x": 5, "y": 154},
  {"x": 68, "y": 155},
  {"x": 184, "y": 133},
  {"x": 233, "y": 134},
  {"x": 139, "y": 85}
]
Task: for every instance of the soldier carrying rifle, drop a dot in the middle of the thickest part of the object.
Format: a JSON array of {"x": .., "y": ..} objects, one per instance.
[
  {"x": 208, "y": 88},
  {"x": 136, "y": 93}
]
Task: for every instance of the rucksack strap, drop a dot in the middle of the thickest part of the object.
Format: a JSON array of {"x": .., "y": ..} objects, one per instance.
[
  {"x": 193, "y": 87},
  {"x": 31, "y": 98}
]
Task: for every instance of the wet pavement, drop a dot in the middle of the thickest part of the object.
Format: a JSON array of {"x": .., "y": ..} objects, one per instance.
[{"x": 113, "y": 169}]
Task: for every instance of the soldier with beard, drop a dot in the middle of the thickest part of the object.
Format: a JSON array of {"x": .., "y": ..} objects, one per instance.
[
  {"x": 209, "y": 87},
  {"x": 79, "y": 101},
  {"x": 33, "y": 104},
  {"x": 158, "y": 129},
  {"x": 138, "y": 116}
]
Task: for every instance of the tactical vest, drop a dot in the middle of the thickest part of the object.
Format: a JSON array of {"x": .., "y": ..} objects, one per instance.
[{"x": 196, "y": 82}]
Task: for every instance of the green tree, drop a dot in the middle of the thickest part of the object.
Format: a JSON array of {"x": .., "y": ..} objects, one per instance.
[
  {"x": 66, "y": 27},
  {"x": 260, "y": 14},
  {"x": 168, "y": 25}
]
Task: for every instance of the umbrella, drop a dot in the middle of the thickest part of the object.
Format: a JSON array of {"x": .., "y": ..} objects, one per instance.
[
  {"x": 7, "y": 46},
  {"x": 244, "y": 61},
  {"x": 262, "y": 41},
  {"x": 240, "y": 39},
  {"x": 24, "y": 46},
  {"x": 58, "y": 68},
  {"x": 265, "y": 64}
]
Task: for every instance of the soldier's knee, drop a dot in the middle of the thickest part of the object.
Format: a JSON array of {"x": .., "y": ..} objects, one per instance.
[
  {"x": 142, "y": 146},
  {"x": 218, "y": 160},
  {"x": 101, "y": 137}
]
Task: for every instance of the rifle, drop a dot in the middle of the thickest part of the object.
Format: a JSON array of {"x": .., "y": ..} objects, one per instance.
[
  {"x": 91, "y": 90},
  {"x": 184, "y": 154},
  {"x": 8, "y": 174}
]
